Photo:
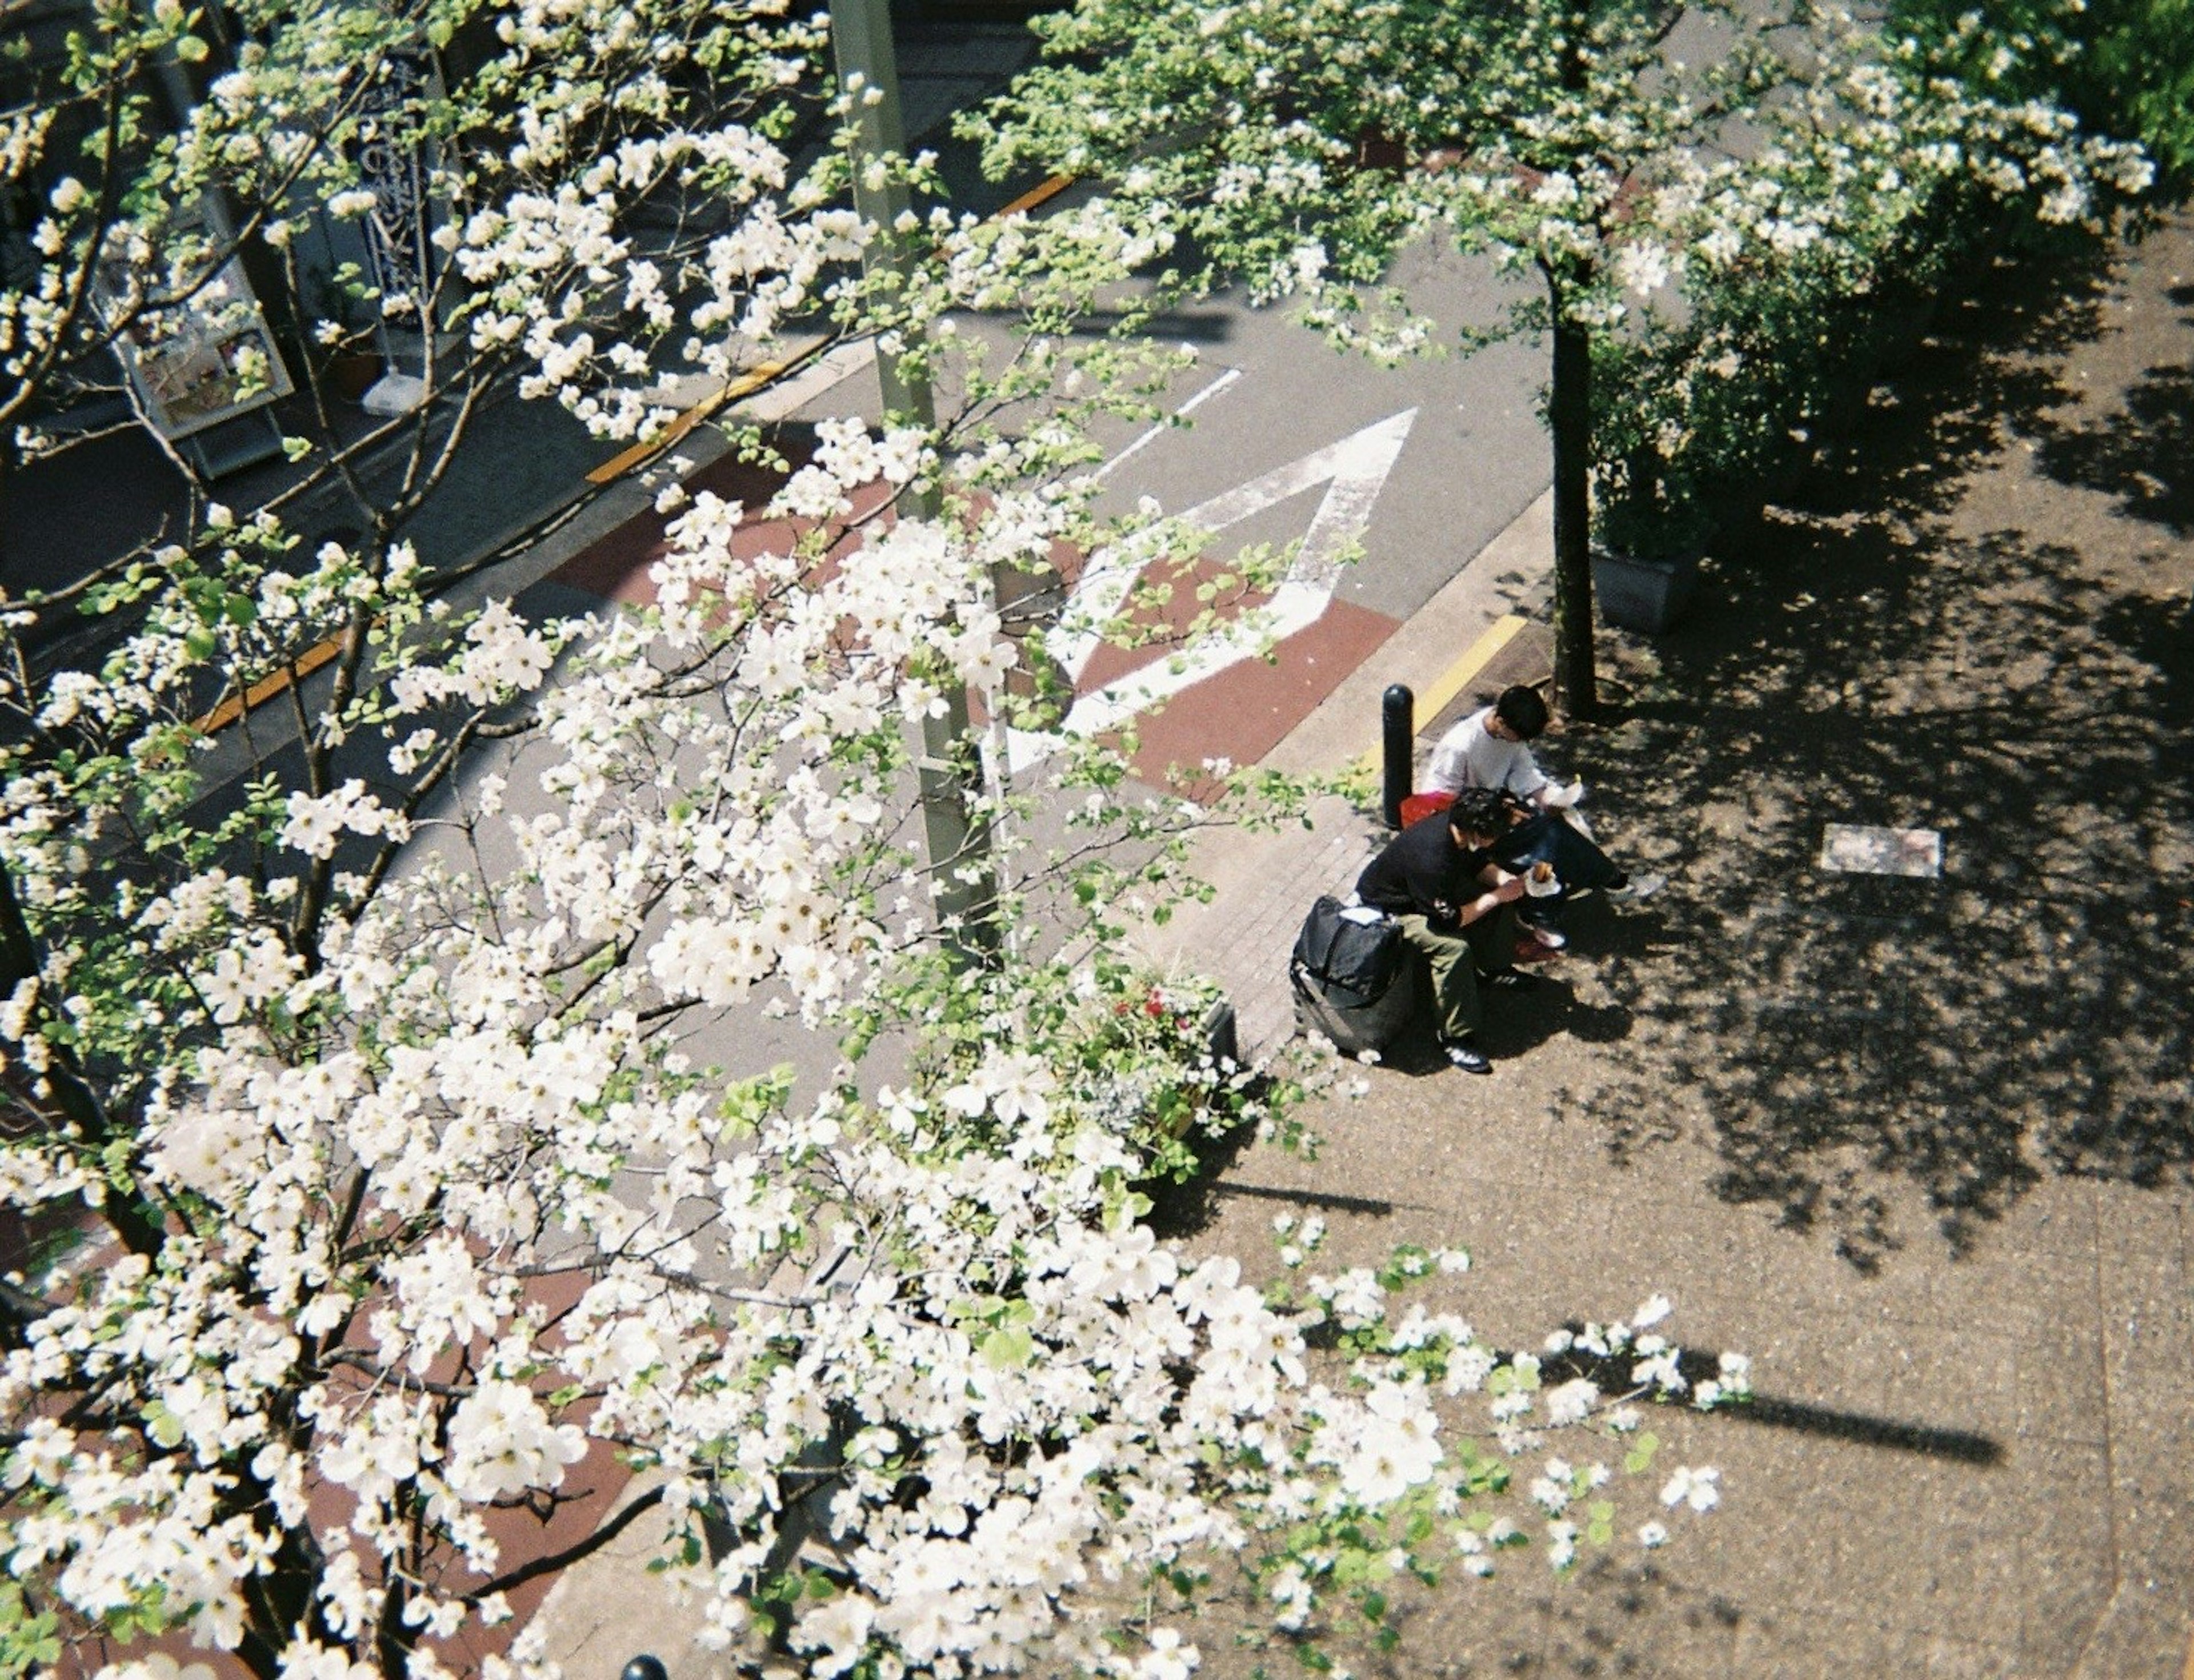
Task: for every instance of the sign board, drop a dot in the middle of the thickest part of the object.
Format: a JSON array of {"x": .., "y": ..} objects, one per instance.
[
  {"x": 206, "y": 360},
  {"x": 393, "y": 168}
]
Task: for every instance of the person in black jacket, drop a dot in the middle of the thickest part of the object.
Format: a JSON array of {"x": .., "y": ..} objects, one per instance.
[{"x": 1438, "y": 880}]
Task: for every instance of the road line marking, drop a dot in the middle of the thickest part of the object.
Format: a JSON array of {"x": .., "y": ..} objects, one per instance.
[
  {"x": 1190, "y": 407},
  {"x": 1353, "y": 470},
  {"x": 266, "y": 688}
]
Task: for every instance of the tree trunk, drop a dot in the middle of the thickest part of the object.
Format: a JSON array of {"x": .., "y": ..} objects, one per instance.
[
  {"x": 1568, "y": 419},
  {"x": 132, "y": 1218}
]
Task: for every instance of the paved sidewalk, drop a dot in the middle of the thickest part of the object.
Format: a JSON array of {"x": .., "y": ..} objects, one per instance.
[
  {"x": 1263, "y": 884},
  {"x": 1922, "y": 1146}
]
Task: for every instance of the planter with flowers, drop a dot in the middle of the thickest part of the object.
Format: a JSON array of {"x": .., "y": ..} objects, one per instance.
[
  {"x": 1163, "y": 1052},
  {"x": 1150, "y": 1059}
]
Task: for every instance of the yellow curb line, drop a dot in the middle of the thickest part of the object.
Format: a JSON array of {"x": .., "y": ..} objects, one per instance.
[
  {"x": 753, "y": 380},
  {"x": 1498, "y": 634},
  {"x": 769, "y": 372},
  {"x": 266, "y": 688},
  {"x": 1451, "y": 682},
  {"x": 1036, "y": 195}
]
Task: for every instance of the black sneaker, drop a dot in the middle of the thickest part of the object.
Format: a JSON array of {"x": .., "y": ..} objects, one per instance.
[
  {"x": 1462, "y": 1056},
  {"x": 1509, "y": 980}
]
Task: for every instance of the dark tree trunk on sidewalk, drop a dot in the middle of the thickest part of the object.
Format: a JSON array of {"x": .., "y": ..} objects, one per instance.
[{"x": 1568, "y": 419}]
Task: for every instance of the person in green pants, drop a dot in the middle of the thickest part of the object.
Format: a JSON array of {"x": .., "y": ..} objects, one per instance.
[{"x": 1438, "y": 880}]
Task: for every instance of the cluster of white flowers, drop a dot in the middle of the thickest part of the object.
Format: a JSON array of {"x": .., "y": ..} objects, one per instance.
[{"x": 315, "y": 825}]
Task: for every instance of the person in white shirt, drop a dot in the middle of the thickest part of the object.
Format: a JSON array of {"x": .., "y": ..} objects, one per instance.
[
  {"x": 1489, "y": 749},
  {"x": 1492, "y": 748}
]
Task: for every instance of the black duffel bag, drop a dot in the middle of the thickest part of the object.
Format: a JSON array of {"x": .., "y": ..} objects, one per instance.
[{"x": 1355, "y": 981}]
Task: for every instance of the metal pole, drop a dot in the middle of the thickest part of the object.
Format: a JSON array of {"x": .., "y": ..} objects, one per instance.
[
  {"x": 868, "y": 73},
  {"x": 949, "y": 769},
  {"x": 1398, "y": 734}
]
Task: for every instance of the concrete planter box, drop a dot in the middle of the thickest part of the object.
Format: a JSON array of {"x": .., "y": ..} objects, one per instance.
[{"x": 1647, "y": 596}]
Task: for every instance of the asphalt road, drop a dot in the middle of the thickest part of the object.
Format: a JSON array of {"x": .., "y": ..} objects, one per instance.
[{"x": 1405, "y": 474}]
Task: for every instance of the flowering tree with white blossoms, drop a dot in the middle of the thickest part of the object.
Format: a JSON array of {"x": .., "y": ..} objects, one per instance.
[
  {"x": 579, "y": 164},
  {"x": 419, "y": 1211},
  {"x": 581, "y": 170},
  {"x": 614, "y": 206},
  {"x": 1601, "y": 147},
  {"x": 385, "y": 1122}
]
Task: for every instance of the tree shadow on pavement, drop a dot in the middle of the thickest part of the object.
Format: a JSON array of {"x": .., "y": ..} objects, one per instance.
[
  {"x": 2139, "y": 454},
  {"x": 1898, "y": 647}
]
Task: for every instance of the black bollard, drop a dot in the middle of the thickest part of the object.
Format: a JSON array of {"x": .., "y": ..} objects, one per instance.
[
  {"x": 645, "y": 1668},
  {"x": 1398, "y": 709}
]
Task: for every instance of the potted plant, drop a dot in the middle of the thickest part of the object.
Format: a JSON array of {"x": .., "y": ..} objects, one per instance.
[
  {"x": 1650, "y": 531},
  {"x": 349, "y": 348}
]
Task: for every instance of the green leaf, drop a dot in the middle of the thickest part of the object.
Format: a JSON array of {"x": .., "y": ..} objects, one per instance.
[
  {"x": 163, "y": 1426},
  {"x": 1641, "y": 1455},
  {"x": 1352, "y": 1567},
  {"x": 1007, "y": 1350}
]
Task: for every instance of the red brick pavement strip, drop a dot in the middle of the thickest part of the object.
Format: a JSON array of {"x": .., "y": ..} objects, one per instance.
[
  {"x": 1238, "y": 713},
  {"x": 1241, "y": 713},
  {"x": 614, "y": 567}
]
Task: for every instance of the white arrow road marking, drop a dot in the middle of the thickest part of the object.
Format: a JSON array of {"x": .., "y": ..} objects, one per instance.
[
  {"x": 1354, "y": 470},
  {"x": 1102, "y": 588},
  {"x": 1187, "y": 408}
]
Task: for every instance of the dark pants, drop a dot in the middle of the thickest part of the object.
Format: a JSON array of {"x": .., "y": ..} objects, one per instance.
[
  {"x": 1455, "y": 954},
  {"x": 1579, "y": 865}
]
